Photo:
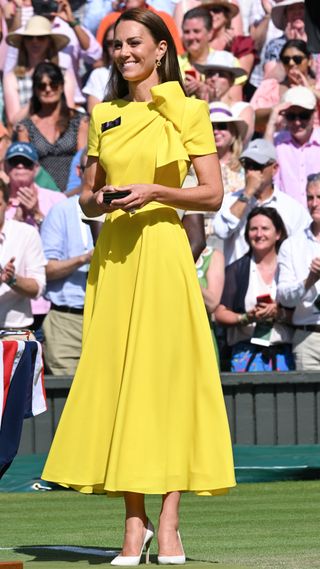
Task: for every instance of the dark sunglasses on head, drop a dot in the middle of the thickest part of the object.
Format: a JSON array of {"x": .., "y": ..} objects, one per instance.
[
  {"x": 251, "y": 165},
  {"x": 54, "y": 85},
  {"x": 296, "y": 58},
  {"x": 17, "y": 160},
  {"x": 221, "y": 126},
  {"x": 302, "y": 116}
]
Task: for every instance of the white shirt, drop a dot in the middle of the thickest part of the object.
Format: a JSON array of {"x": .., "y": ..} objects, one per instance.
[
  {"x": 23, "y": 242},
  {"x": 97, "y": 82},
  {"x": 295, "y": 256},
  {"x": 231, "y": 229}
]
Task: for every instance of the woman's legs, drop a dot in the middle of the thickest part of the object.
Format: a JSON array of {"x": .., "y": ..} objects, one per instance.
[
  {"x": 135, "y": 524},
  {"x": 168, "y": 540}
]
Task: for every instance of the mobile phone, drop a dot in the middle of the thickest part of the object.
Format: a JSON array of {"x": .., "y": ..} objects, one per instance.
[
  {"x": 191, "y": 72},
  {"x": 264, "y": 298},
  {"x": 41, "y": 7},
  {"x": 109, "y": 196}
]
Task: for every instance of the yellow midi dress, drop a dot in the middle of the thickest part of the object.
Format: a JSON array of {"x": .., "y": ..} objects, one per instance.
[{"x": 145, "y": 411}]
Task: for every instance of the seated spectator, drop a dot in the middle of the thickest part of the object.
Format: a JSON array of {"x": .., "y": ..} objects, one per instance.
[
  {"x": 55, "y": 130},
  {"x": 95, "y": 86},
  {"x": 297, "y": 62},
  {"x": 297, "y": 144},
  {"x": 111, "y": 18},
  {"x": 256, "y": 330},
  {"x": 220, "y": 70},
  {"x": 184, "y": 6},
  {"x": 196, "y": 35},
  {"x": 229, "y": 133},
  {"x": 35, "y": 43},
  {"x": 68, "y": 247},
  {"x": 287, "y": 15},
  {"x": 299, "y": 282},
  {"x": 262, "y": 30},
  {"x": 260, "y": 164},
  {"x": 22, "y": 270},
  {"x": 224, "y": 36},
  {"x": 30, "y": 203},
  {"x": 82, "y": 46}
]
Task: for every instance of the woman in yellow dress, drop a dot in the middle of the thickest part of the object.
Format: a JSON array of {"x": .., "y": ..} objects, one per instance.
[{"x": 145, "y": 413}]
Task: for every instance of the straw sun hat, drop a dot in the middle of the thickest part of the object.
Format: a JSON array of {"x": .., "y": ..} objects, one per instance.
[
  {"x": 37, "y": 26},
  {"x": 230, "y": 5},
  {"x": 278, "y": 12}
]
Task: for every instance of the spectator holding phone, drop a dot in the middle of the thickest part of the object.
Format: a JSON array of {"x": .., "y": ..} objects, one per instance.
[
  {"x": 299, "y": 282},
  {"x": 257, "y": 331}
]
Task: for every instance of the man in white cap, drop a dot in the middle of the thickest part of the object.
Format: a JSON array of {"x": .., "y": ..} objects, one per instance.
[
  {"x": 260, "y": 164},
  {"x": 299, "y": 282},
  {"x": 298, "y": 145}
]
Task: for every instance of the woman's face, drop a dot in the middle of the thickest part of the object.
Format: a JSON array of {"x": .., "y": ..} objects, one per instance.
[
  {"x": 195, "y": 36},
  {"x": 262, "y": 234},
  {"x": 135, "y": 53},
  {"x": 219, "y": 19},
  {"x": 220, "y": 81},
  {"x": 295, "y": 60},
  {"x": 49, "y": 91},
  {"x": 37, "y": 46},
  {"x": 223, "y": 135}
]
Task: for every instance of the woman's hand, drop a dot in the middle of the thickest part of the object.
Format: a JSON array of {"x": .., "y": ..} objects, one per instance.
[
  {"x": 140, "y": 195},
  {"x": 266, "y": 311},
  {"x": 192, "y": 85}
]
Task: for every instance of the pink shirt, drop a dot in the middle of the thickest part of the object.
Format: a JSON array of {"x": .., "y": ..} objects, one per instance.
[
  {"x": 296, "y": 162},
  {"x": 46, "y": 198}
]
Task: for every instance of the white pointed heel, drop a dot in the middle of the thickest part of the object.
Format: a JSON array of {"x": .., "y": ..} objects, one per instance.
[
  {"x": 132, "y": 560},
  {"x": 173, "y": 559}
]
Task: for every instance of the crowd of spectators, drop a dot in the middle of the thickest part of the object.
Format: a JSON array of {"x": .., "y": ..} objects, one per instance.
[{"x": 258, "y": 258}]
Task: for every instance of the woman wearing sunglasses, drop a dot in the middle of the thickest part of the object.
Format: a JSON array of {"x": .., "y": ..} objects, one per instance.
[
  {"x": 297, "y": 63},
  {"x": 35, "y": 43},
  {"x": 54, "y": 129}
]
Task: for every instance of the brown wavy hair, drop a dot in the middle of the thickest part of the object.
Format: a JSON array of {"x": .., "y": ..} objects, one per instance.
[{"x": 169, "y": 70}]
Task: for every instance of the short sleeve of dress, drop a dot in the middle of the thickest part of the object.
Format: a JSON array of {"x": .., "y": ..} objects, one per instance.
[
  {"x": 93, "y": 137},
  {"x": 198, "y": 137}
]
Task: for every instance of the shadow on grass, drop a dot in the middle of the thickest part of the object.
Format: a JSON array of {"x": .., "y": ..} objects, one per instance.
[
  {"x": 67, "y": 553},
  {"x": 97, "y": 556}
]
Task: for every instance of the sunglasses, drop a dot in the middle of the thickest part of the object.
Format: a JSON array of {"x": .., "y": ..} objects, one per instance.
[
  {"x": 303, "y": 116},
  {"x": 251, "y": 165},
  {"x": 221, "y": 74},
  {"x": 221, "y": 126},
  {"x": 297, "y": 59},
  {"x": 17, "y": 160},
  {"x": 40, "y": 38},
  {"x": 53, "y": 85}
]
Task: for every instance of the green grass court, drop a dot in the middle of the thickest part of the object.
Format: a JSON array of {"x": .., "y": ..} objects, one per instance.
[{"x": 262, "y": 525}]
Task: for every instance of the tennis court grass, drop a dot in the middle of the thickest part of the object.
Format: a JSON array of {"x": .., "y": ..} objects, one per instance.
[{"x": 267, "y": 525}]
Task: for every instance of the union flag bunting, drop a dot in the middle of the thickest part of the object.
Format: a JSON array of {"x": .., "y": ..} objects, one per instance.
[{"x": 22, "y": 393}]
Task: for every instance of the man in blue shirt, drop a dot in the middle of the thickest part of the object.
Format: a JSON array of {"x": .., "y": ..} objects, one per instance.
[{"x": 68, "y": 246}]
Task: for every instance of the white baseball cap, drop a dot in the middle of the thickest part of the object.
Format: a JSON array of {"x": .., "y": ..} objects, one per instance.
[{"x": 300, "y": 97}]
